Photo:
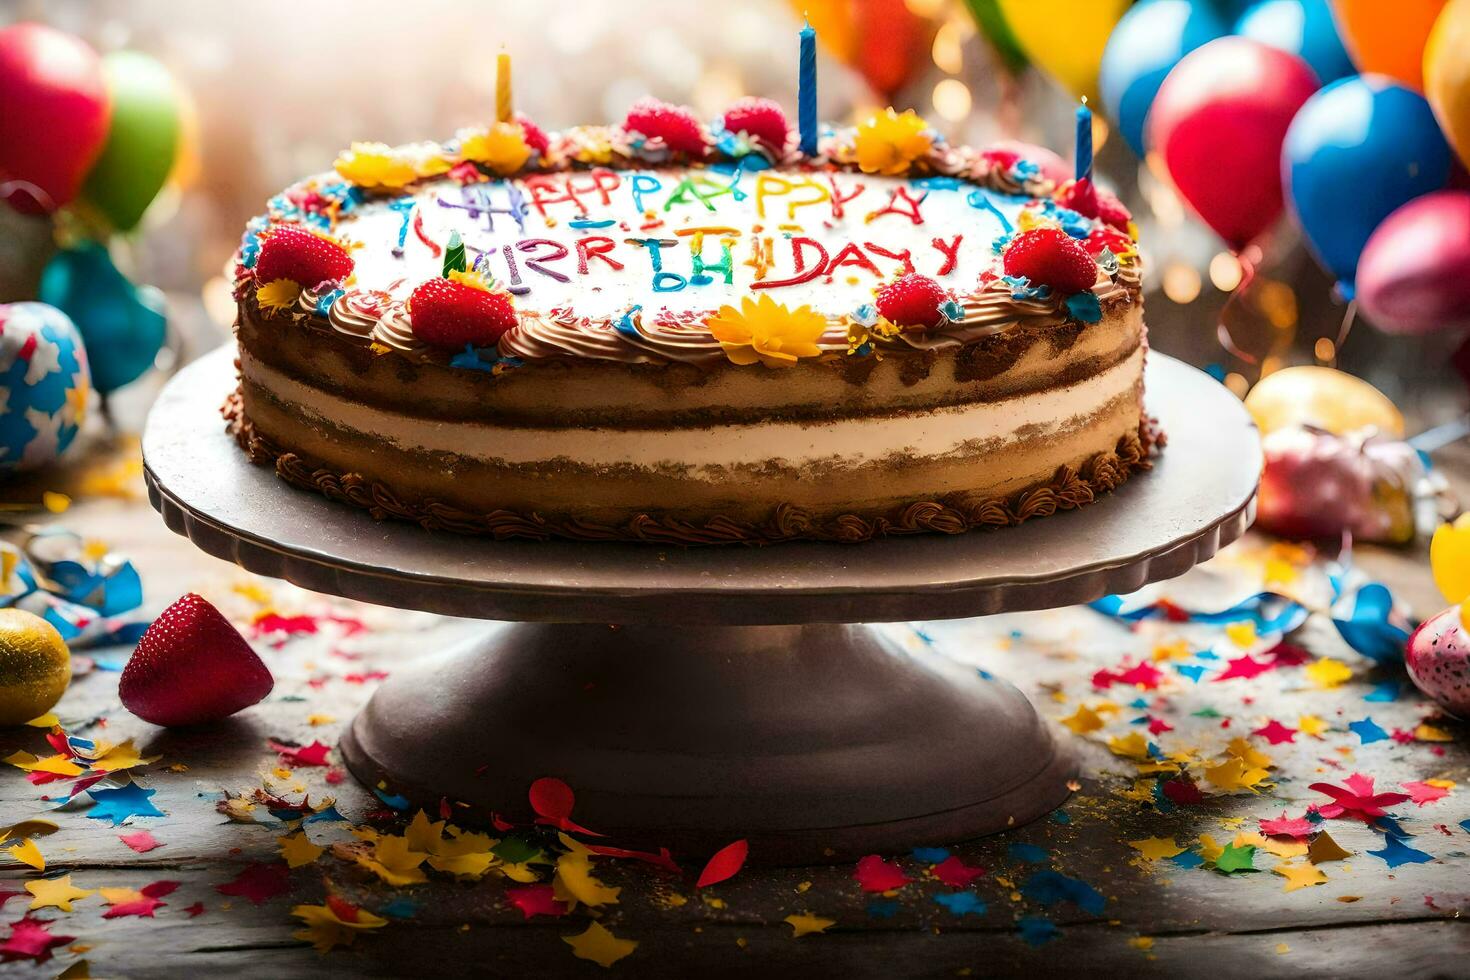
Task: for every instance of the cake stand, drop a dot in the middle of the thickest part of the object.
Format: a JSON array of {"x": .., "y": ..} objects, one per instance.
[{"x": 695, "y": 696}]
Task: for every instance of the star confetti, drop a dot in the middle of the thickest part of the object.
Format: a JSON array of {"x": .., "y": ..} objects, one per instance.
[
  {"x": 806, "y": 924},
  {"x": 1356, "y": 799},
  {"x": 1323, "y": 849},
  {"x": 258, "y": 882},
  {"x": 335, "y": 923},
  {"x": 725, "y": 864},
  {"x": 31, "y": 940},
  {"x": 961, "y": 903},
  {"x": 26, "y": 852},
  {"x": 1300, "y": 876},
  {"x": 599, "y": 945},
  {"x": 1234, "y": 774},
  {"x": 876, "y": 875},
  {"x": 1368, "y": 731},
  {"x": 1276, "y": 733},
  {"x": 1233, "y": 859},
  {"x": 1036, "y": 931},
  {"x": 1311, "y": 725},
  {"x": 1327, "y": 673},
  {"x": 1284, "y": 826},
  {"x": 1428, "y": 791},
  {"x": 121, "y": 804},
  {"x": 56, "y": 893},
  {"x": 297, "y": 849},
  {"x": 535, "y": 900},
  {"x": 574, "y": 881},
  {"x": 956, "y": 873},
  {"x": 1049, "y": 887},
  {"x": 142, "y": 842},
  {"x": 1083, "y": 720},
  {"x": 1395, "y": 852},
  {"x": 1156, "y": 848},
  {"x": 314, "y": 754},
  {"x": 1246, "y": 666}
]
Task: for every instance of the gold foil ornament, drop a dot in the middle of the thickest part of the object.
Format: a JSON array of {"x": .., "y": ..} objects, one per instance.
[{"x": 35, "y": 666}]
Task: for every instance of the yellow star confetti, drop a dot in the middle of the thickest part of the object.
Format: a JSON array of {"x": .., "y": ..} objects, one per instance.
[
  {"x": 56, "y": 893},
  {"x": 1156, "y": 848},
  {"x": 119, "y": 757},
  {"x": 1311, "y": 725},
  {"x": 805, "y": 924},
  {"x": 1178, "y": 650},
  {"x": 1233, "y": 774},
  {"x": 1327, "y": 673},
  {"x": 1209, "y": 849},
  {"x": 325, "y": 928},
  {"x": 575, "y": 883},
  {"x": 599, "y": 945},
  {"x": 121, "y": 896},
  {"x": 1429, "y": 733},
  {"x": 26, "y": 852},
  {"x": 392, "y": 861},
  {"x": 1300, "y": 875},
  {"x": 1084, "y": 720},
  {"x": 1242, "y": 634},
  {"x": 298, "y": 850},
  {"x": 58, "y": 765},
  {"x": 1130, "y": 746},
  {"x": 1241, "y": 748}
]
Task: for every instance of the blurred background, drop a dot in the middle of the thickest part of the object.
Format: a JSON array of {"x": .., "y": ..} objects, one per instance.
[{"x": 273, "y": 90}]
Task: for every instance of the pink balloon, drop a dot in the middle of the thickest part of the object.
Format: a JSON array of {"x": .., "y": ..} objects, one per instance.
[
  {"x": 54, "y": 112},
  {"x": 1414, "y": 276},
  {"x": 1218, "y": 123}
]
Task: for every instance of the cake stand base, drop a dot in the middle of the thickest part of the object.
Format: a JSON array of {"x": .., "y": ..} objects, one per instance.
[{"x": 693, "y": 737}]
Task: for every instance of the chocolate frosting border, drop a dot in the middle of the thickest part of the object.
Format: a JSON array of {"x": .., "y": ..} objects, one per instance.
[{"x": 1069, "y": 488}]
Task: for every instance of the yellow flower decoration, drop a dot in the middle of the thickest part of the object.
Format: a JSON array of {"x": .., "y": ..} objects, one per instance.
[
  {"x": 375, "y": 167},
  {"x": 278, "y": 294},
  {"x": 889, "y": 142},
  {"x": 469, "y": 278},
  {"x": 502, "y": 148},
  {"x": 764, "y": 330}
]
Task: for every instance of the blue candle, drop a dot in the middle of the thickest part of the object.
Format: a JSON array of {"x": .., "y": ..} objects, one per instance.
[
  {"x": 1084, "y": 141},
  {"x": 806, "y": 92}
]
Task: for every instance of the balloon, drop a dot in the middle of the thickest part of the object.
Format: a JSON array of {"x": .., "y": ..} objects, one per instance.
[
  {"x": 1301, "y": 27},
  {"x": 997, "y": 32},
  {"x": 142, "y": 142},
  {"x": 123, "y": 326},
  {"x": 1217, "y": 125},
  {"x": 1414, "y": 276},
  {"x": 883, "y": 40},
  {"x": 1147, "y": 43},
  {"x": 1447, "y": 74},
  {"x": 1318, "y": 485},
  {"x": 1324, "y": 398},
  {"x": 1387, "y": 37},
  {"x": 1358, "y": 149},
  {"x": 43, "y": 385},
  {"x": 1065, "y": 39},
  {"x": 53, "y": 114}
]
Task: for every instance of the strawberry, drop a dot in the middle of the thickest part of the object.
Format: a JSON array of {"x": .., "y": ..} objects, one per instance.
[
  {"x": 760, "y": 119},
  {"x": 911, "y": 301},
  {"x": 292, "y": 252},
  {"x": 451, "y": 314},
  {"x": 192, "y": 666},
  {"x": 1094, "y": 202},
  {"x": 1051, "y": 257},
  {"x": 676, "y": 125},
  {"x": 534, "y": 135}
]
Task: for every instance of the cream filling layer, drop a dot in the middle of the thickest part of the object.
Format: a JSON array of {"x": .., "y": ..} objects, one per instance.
[{"x": 852, "y": 441}]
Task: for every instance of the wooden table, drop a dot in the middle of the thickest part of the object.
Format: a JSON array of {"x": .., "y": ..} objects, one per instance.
[{"x": 1158, "y": 918}]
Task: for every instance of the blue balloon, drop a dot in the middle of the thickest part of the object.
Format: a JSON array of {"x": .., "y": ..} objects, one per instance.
[
  {"x": 1149, "y": 41},
  {"x": 1356, "y": 151},
  {"x": 1304, "y": 28},
  {"x": 122, "y": 325}
]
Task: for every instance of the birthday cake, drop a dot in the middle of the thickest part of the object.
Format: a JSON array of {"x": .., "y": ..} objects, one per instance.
[{"x": 681, "y": 332}]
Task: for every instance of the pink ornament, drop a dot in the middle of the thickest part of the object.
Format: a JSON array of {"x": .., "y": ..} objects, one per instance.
[
  {"x": 54, "y": 113},
  {"x": 1218, "y": 123},
  {"x": 1414, "y": 275},
  {"x": 1438, "y": 660},
  {"x": 1317, "y": 485}
]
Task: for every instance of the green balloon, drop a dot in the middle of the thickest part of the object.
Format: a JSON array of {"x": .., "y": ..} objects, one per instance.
[
  {"x": 993, "y": 27},
  {"x": 142, "y": 140}
]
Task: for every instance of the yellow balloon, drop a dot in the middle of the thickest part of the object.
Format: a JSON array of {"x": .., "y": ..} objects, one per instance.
[
  {"x": 1449, "y": 558},
  {"x": 1447, "y": 74},
  {"x": 1323, "y": 397},
  {"x": 35, "y": 666},
  {"x": 1064, "y": 38}
]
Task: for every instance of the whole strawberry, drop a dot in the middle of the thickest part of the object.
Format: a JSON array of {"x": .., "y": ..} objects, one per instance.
[
  {"x": 676, "y": 125},
  {"x": 191, "y": 667},
  {"x": 451, "y": 314},
  {"x": 911, "y": 301},
  {"x": 761, "y": 119},
  {"x": 1051, "y": 257},
  {"x": 1094, "y": 202},
  {"x": 292, "y": 252}
]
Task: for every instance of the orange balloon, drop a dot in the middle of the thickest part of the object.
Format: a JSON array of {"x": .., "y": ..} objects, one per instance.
[
  {"x": 883, "y": 40},
  {"x": 1387, "y": 36}
]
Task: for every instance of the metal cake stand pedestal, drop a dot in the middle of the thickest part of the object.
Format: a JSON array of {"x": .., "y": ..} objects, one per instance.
[{"x": 694, "y": 696}]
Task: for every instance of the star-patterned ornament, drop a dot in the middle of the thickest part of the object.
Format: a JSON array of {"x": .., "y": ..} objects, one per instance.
[{"x": 43, "y": 384}]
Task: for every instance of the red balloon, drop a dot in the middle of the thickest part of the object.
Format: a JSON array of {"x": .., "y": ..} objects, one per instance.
[
  {"x": 1218, "y": 123},
  {"x": 1414, "y": 275},
  {"x": 54, "y": 112}
]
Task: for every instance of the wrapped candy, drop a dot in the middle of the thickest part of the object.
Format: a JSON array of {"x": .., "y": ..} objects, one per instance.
[{"x": 1316, "y": 484}]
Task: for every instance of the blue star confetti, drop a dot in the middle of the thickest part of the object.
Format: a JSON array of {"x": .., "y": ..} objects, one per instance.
[
  {"x": 1368, "y": 730},
  {"x": 962, "y": 903},
  {"x": 1029, "y": 853},
  {"x": 1050, "y": 887},
  {"x": 1395, "y": 852},
  {"x": 1037, "y": 931},
  {"x": 119, "y": 804}
]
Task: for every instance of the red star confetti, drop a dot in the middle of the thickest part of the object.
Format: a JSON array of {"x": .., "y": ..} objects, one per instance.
[
  {"x": 956, "y": 873},
  {"x": 536, "y": 900},
  {"x": 195, "y": 910},
  {"x": 1355, "y": 799},
  {"x": 552, "y": 801},
  {"x": 1245, "y": 666},
  {"x": 1284, "y": 826},
  {"x": 314, "y": 754},
  {"x": 1276, "y": 733},
  {"x": 142, "y": 842},
  {"x": 270, "y": 622},
  {"x": 725, "y": 864},
  {"x": 876, "y": 875},
  {"x": 1427, "y": 791},
  {"x": 30, "y": 940},
  {"x": 258, "y": 882}
]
